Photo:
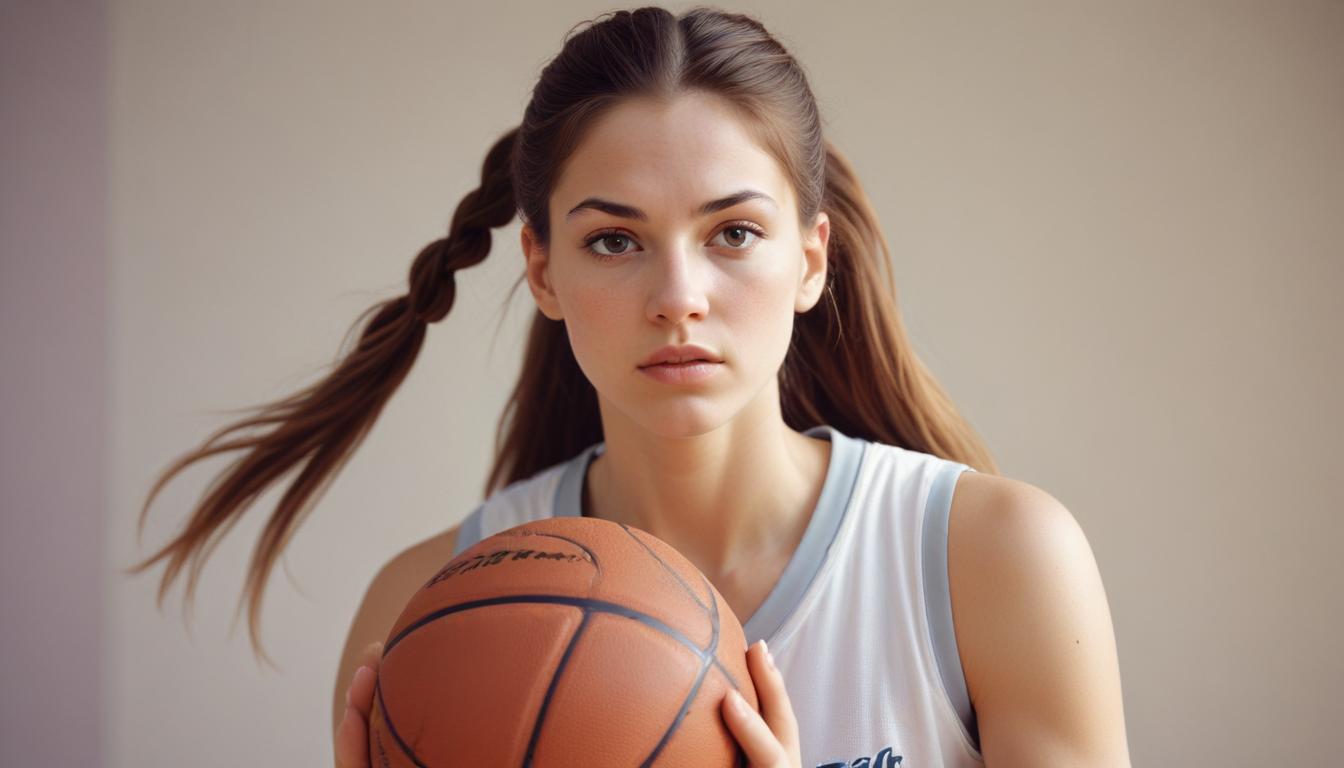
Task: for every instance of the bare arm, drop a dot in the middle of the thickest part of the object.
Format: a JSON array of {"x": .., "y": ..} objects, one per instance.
[
  {"x": 1035, "y": 629},
  {"x": 388, "y": 593}
]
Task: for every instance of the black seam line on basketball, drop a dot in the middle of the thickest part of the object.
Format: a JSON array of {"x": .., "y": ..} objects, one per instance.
[
  {"x": 550, "y": 690},
  {"x": 584, "y": 603},
  {"x": 731, "y": 680},
  {"x": 387, "y": 720},
  {"x": 695, "y": 689},
  {"x": 668, "y": 568},
  {"x": 591, "y": 555},
  {"x": 577, "y": 602},
  {"x": 715, "y": 640},
  {"x": 708, "y": 591},
  {"x": 681, "y": 715}
]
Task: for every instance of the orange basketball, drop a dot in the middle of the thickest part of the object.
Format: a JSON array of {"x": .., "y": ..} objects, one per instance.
[{"x": 565, "y": 641}]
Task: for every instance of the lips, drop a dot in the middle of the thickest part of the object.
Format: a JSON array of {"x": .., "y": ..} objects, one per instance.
[
  {"x": 682, "y": 374},
  {"x": 678, "y": 354}
]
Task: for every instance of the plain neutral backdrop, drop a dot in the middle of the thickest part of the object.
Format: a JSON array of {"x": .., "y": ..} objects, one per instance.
[{"x": 1117, "y": 235}]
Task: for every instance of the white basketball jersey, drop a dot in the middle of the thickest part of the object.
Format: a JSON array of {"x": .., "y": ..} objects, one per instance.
[{"x": 860, "y": 621}]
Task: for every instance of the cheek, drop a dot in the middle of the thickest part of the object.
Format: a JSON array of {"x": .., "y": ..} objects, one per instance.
[
  {"x": 759, "y": 314},
  {"x": 595, "y": 317},
  {"x": 592, "y": 304}
]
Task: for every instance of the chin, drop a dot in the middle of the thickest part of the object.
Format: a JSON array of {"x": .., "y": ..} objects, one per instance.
[{"x": 686, "y": 416}]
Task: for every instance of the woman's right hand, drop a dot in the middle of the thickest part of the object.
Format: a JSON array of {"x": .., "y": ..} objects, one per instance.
[{"x": 352, "y": 735}]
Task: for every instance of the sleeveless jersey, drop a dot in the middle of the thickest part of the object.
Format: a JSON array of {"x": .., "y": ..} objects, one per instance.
[{"x": 860, "y": 621}]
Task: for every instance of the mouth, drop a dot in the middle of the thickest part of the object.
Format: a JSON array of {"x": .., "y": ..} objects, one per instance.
[
  {"x": 686, "y": 372},
  {"x": 680, "y": 354},
  {"x": 682, "y": 364}
]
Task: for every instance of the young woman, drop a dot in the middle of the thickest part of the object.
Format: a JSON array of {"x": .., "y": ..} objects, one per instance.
[{"x": 718, "y": 359}]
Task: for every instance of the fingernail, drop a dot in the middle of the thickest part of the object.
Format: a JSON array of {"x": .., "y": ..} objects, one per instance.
[
  {"x": 769, "y": 658},
  {"x": 361, "y": 671}
]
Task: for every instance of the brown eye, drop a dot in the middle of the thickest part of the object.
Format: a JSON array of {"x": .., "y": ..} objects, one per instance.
[
  {"x": 621, "y": 240},
  {"x": 740, "y": 237}
]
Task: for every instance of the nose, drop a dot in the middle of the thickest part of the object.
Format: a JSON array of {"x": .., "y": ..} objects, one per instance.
[{"x": 678, "y": 289}]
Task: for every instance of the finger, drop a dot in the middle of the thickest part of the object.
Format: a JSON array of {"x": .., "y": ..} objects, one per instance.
[
  {"x": 751, "y": 732},
  {"x": 360, "y": 694},
  {"x": 362, "y": 699},
  {"x": 776, "y": 709},
  {"x": 352, "y": 741}
]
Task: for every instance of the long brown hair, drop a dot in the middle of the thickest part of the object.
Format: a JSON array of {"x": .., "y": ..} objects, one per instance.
[{"x": 850, "y": 364}]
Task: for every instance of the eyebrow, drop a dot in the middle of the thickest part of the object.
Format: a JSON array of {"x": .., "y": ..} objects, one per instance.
[{"x": 631, "y": 212}]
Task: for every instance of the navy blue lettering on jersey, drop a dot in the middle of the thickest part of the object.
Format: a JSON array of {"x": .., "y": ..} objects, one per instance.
[{"x": 885, "y": 759}]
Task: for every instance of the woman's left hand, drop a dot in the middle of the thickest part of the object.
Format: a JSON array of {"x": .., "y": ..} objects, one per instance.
[{"x": 770, "y": 738}]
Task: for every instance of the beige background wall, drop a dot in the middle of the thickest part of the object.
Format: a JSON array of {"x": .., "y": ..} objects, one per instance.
[{"x": 1117, "y": 233}]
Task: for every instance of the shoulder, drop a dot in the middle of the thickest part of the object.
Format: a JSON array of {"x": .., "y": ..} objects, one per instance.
[
  {"x": 401, "y": 577},
  {"x": 1032, "y": 626},
  {"x": 1000, "y": 528},
  {"x": 985, "y": 508},
  {"x": 407, "y": 571},
  {"x": 430, "y": 554}
]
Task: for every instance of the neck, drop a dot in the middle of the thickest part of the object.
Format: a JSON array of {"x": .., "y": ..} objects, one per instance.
[{"x": 725, "y": 499}]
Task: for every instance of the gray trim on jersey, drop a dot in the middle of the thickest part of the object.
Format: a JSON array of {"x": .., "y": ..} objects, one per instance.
[
  {"x": 568, "y": 500},
  {"x": 938, "y": 596},
  {"x": 805, "y": 563},
  {"x": 469, "y": 532}
]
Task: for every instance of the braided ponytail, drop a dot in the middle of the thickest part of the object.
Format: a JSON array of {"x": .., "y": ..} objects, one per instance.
[
  {"x": 490, "y": 205},
  {"x": 322, "y": 425}
]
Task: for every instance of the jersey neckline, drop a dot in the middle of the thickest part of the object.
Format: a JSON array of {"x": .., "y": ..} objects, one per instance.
[{"x": 841, "y": 473}]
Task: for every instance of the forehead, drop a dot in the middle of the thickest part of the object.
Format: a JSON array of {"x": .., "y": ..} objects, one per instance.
[{"x": 668, "y": 157}]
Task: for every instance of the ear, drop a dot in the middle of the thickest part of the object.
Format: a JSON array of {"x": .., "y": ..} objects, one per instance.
[
  {"x": 812, "y": 278},
  {"x": 539, "y": 274}
]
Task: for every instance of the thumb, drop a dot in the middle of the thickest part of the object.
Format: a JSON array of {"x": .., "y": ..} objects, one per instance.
[{"x": 352, "y": 741}]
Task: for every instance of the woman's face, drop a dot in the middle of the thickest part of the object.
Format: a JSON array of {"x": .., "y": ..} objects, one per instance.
[{"x": 666, "y": 271}]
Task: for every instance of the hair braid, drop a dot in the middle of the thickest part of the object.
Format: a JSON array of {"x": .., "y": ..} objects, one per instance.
[{"x": 432, "y": 283}]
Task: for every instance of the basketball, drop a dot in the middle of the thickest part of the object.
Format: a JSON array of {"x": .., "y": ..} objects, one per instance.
[{"x": 561, "y": 642}]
